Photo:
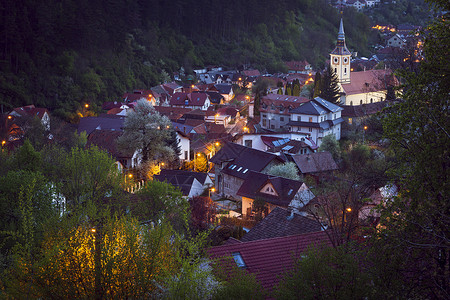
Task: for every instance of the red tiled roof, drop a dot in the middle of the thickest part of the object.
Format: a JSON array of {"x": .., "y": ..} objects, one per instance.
[
  {"x": 268, "y": 259},
  {"x": 251, "y": 72},
  {"x": 297, "y": 65},
  {"x": 188, "y": 99},
  {"x": 30, "y": 110},
  {"x": 368, "y": 81},
  {"x": 173, "y": 113}
]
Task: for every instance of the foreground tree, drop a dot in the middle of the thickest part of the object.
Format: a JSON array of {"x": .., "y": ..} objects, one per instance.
[{"x": 417, "y": 222}]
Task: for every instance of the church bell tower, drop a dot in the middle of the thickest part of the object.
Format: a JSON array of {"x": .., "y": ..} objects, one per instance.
[{"x": 340, "y": 58}]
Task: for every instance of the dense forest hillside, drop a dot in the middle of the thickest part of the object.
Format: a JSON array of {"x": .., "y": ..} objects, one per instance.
[{"x": 60, "y": 54}]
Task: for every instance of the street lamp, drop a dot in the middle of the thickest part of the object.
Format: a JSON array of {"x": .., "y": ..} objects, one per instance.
[
  {"x": 86, "y": 105},
  {"x": 215, "y": 118},
  {"x": 211, "y": 190},
  {"x": 364, "y": 132}
]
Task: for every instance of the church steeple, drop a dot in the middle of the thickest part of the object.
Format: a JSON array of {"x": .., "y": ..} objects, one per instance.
[{"x": 340, "y": 57}]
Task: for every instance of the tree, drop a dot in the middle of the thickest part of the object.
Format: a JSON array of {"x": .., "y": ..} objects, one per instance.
[
  {"x": 329, "y": 87},
  {"x": 260, "y": 90},
  {"x": 418, "y": 130},
  {"x": 317, "y": 85},
  {"x": 330, "y": 144},
  {"x": 135, "y": 261},
  {"x": 326, "y": 273},
  {"x": 287, "y": 170},
  {"x": 201, "y": 162},
  {"x": 146, "y": 131},
  {"x": 203, "y": 212}
]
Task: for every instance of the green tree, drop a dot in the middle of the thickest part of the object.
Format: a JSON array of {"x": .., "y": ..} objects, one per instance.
[
  {"x": 287, "y": 170},
  {"x": 317, "y": 85},
  {"x": 201, "y": 163},
  {"x": 147, "y": 132},
  {"x": 326, "y": 273},
  {"x": 260, "y": 90},
  {"x": 329, "y": 87},
  {"x": 330, "y": 144},
  {"x": 417, "y": 128},
  {"x": 27, "y": 158}
]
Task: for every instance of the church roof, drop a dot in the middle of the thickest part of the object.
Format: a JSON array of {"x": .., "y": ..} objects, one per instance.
[
  {"x": 341, "y": 48},
  {"x": 369, "y": 81}
]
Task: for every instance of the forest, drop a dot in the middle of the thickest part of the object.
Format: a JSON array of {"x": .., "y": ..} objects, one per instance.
[{"x": 62, "y": 54}]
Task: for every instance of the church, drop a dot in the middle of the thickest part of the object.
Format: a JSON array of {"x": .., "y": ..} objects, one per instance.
[{"x": 362, "y": 87}]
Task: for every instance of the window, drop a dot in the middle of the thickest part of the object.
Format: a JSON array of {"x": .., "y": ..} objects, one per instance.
[
  {"x": 310, "y": 119},
  {"x": 350, "y": 121},
  {"x": 185, "y": 155},
  {"x": 238, "y": 259},
  {"x": 371, "y": 100},
  {"x": 310, "y": 129},
  {"x": 248, "y": 143},
  {"x": 335, "y": 70},
  {"x": 299, "y": 118},
  {"x": 282, "y": 119},
  {"x": 264, "y": 122},
  {"x": 272, "y": 126},
  {"x": 360, "y": 102},
  {"x": 351, "y": 102},
  {"x": 345, "y": 70}
]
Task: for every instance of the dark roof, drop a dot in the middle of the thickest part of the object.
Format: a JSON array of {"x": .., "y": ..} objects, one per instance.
[
  {"x": 228, "y": 152},
  {"x": 223, "y": 88},
  {"x": 316, "y": 106},
  {"x": 201, "y": 177},
  {"x": 173, "y": 113},
  {"x": 355, "y": 111},
  {"x": 182, "y": 181},
  {"x": 250, "y": 160},
  {"x": 281, "y": 222},
  {"x": 89, "y": 124},
  {"x": 107, "y": 140},
  {"x": 285, "y": 188},
  {"x": 215, "y": 97},
  {"x": 268, "y": 259},
  {"x": 315, "y": 162}
]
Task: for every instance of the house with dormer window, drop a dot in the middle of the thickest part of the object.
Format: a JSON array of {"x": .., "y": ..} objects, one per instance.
[
  {"x": 196, "y": 100},
  {"x": 233, "y": 164},
  {"x": 275, "y": 110},
  {"x": 274, "y": 191},
  {"x": 317, "y": 117}
]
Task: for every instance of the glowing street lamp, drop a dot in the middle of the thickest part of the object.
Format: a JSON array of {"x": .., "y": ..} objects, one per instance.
[
  {"x": 364, "y": 132},
  {"x": 86, "y": 105},
  {"x": 349, "y": 209}
]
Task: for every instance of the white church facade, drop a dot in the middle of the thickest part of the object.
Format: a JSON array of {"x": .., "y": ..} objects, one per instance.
[{"x": 362, "y": 87}]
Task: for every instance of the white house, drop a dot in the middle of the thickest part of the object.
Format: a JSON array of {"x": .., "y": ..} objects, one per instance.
[{"x": 318, "y": 118}]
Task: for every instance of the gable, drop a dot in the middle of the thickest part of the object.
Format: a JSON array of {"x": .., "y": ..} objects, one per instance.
[{"x": 269, "y": 189}]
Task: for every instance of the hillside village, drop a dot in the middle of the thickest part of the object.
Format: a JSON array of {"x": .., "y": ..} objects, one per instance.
[{"x": 270, "y": 167}]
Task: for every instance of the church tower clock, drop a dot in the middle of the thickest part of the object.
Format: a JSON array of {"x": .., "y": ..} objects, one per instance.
[{"x": 340, "y": 58}]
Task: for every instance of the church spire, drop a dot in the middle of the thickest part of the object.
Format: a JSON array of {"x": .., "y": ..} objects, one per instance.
[
  {"x": 341, "y": 35},
  {"x": 340, "y": 57}
]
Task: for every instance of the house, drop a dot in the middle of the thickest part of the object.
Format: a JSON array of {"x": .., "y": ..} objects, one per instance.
[
  {"x": 17, "y": 122},
  {"x": 281, "y": 222},
  {"x": 358, "y": 4},
  {"x": 275, "y": 110},
  {"x": 274, "y": 191},
  {"x": 226, "y": 90},
  {"x": 315, "y": 164},
  {"x": 191, "y": 184},
  {"x": 173, "y": 113},
  {"x": 31, "y": 111},
  {"x": 172, "y": 88},
  {"x": 317, "y": 118},
  {"x": 355, "y": 114},
  {"x": 301, "y": 67},
  {"x": 233, "y": 163},
  {"x": 190, "y": 100},
  {"x": 267, "y": 259},
  {"x": 139, "y": 95},
  {"x": 396, "y": 41},
  {"x": 184, "y": 142},
  {"x": 107, "y": 140}
]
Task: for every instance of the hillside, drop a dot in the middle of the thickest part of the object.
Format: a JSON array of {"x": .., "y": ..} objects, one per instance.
[{"x": 60, "y": 54}]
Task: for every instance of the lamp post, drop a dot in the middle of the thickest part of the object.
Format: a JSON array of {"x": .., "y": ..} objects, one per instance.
[
  {"x": 211, "y": 190},
  {"x": 364, "y": 133}
]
